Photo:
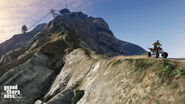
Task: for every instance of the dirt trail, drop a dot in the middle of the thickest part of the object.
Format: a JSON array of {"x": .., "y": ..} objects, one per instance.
[
  {"x": 145, "y": 57},
  {"x": 178, "y": 59}
]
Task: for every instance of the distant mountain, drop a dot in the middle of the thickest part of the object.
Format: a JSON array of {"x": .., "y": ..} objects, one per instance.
[
  {"x": 19, "y": 40},
  {"x": 132, "y": 49}
]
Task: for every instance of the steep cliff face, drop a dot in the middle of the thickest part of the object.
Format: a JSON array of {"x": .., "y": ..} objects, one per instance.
[{"x": 63, "y": 65}]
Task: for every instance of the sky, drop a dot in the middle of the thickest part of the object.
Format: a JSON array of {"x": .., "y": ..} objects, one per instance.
[{"x": 141, "y": 22}]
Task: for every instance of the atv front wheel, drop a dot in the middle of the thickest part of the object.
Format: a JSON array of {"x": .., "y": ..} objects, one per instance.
[
  {"x": 149, "y": 54},
  {"x": 164, "y": 54}
]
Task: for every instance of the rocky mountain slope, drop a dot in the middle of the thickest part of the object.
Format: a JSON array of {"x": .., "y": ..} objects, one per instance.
[
  {"x": 19, "y": 40},
  {"x": 131, "y": 49},
  {"x": 12, "y": 48},
  {"x": 67, "y": 64},
  {"x": 94, "y": 32}
]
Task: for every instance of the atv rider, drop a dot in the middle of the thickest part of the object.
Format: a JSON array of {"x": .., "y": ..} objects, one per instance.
[{"x": 156, "y": 44}]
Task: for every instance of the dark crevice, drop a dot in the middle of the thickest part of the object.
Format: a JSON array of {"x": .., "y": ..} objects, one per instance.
[
  {"x": 77, "y": 96},
  {"x": 51, "y": 80},
  {"x": 47, "y": 86}
]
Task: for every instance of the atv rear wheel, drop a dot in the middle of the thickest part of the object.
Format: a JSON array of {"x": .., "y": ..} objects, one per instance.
[
  {"x": 164, "y": 54},
  {"x": 156, "y": 55},
  {"x": 149, "y": 54}
]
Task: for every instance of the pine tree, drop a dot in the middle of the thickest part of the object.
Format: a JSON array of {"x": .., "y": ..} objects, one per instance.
[{"x": 24, "y": 28}]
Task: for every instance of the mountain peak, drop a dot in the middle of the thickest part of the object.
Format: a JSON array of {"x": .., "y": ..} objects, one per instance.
[{"x": 64, "y": 11}]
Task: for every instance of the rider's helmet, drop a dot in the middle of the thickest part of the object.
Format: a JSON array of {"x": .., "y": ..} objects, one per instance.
[{"x": 157, "y": 41}]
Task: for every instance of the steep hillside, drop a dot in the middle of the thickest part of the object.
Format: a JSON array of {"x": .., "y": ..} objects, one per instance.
[
  {"x": 19, "y": 40},
  {"x": 92, "y": 79}
]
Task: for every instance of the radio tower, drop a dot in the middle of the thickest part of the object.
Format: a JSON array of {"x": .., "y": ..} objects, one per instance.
[{"x": 52, "y": 11}]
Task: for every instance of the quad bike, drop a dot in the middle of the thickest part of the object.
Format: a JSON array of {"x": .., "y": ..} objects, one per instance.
[{"x": 157, "y": 52}]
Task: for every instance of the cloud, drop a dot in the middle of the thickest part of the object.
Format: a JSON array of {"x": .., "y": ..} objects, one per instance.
[{"x": 15, "y": 13}]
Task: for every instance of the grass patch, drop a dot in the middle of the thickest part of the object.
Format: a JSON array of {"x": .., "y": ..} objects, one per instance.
[
  {"x": 183, "y": 89},
  {"x": 102, "y": 55},
  {"x": 117, "y": 62},
  {"x": 73, "y": 39},
  {"x": 140, "y": 66},
  {"x": 169, "y": 70},
  {"x": 178, "y": 72},
  {"x": 173, "y": 85},
  {"x": 182, "y": 102},
  {"x": 145, "y": 97},
  {"x": 141, "y": 76}
]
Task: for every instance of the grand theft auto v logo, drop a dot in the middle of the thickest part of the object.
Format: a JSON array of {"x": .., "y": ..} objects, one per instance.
[{"x": 12, "y": 92}]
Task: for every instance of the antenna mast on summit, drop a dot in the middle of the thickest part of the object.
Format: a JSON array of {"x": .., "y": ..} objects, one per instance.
[{"x": 66, "y": 4}]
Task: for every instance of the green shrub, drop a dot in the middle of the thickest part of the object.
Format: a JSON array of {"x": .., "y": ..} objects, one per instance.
[
  {"x": 170, "y": 70},
  {"x": 177, "y": 72}
]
